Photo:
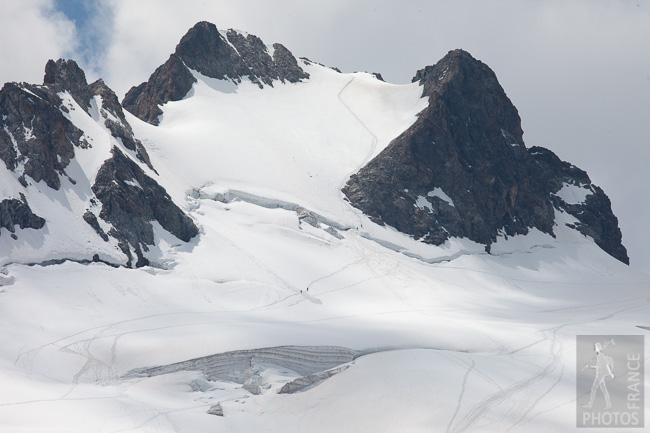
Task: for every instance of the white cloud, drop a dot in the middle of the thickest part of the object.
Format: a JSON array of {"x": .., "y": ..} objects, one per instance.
[
  {"x": 94, "y": 37},
  {"x": 32, "y": 32}
]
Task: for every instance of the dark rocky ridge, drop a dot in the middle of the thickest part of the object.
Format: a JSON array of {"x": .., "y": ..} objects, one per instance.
[
  {"x": 36, "y": 139},
  {"x": 130, "y": 201},
  {"x": 206, "y": 50},
  {"x": 169, "y": 82},
  {"x": 469, "y": 143},
  {"x": 38, "y": 142},
  {"x": 66, "y": 75},
  {"x": 120, "y": 129},
  {"x": 595, "y": 215},
  {"x": 14, "y": 212}
]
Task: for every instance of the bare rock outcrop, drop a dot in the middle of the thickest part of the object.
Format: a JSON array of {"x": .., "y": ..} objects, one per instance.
[
  {"x": 230, "y": 56},
  {"x": 39, "y": 140},
  {"x": 462, "y": 169}
]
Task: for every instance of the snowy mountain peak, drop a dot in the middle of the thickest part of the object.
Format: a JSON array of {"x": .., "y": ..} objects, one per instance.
[
  {"x": 468, "y": 143},
  {"x": 37, "y": 141},
  {"x": 456, "y": 67},
  {"x": 65, "y": 75},
  {"x": 77, "y": 182},
  {"x": 234, "y": 55},
  {"x": 445, "y": 294},
  {"x": 229, "y": 55}
]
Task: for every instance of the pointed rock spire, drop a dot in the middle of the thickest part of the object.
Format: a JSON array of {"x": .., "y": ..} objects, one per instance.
[
  {"x": 229, "y": 56},
  {"x": 66, "y": 75},
  {"x": 462, "y": 169}
]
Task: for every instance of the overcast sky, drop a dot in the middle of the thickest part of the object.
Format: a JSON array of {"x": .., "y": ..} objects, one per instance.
[{"x": 577, "y": 70}]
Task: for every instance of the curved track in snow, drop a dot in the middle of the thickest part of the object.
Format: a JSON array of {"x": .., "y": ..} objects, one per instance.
[{"x": 375, "y": 140}]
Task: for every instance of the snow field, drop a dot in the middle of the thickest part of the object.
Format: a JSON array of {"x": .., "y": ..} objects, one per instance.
[{"x": 478, "y": 342}]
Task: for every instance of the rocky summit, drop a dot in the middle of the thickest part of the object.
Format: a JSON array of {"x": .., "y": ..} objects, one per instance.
[
  {"x": 198, "y": 268},
  {"x": 37, "y": 141},
  {"x": 462, "y": 169},
  {"x": 222, "y": 55},
  {"x": 40, "y": 145}
]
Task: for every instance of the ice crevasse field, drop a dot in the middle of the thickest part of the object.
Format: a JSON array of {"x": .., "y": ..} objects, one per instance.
[{"x": 429, "y": 338}]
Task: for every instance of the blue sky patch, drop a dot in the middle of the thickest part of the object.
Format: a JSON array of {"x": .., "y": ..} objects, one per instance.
[{"x": 76, "y": 10}]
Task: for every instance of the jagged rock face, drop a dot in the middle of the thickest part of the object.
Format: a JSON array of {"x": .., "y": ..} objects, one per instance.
[
  {"x": 131, "y": 200},
  {"x": 170, "y": 82},
  {"x": 204, "y": 49},
  {"x": 38, "y": 140},
  {"x": 14, "y": 212},
  {"x": 594, "y": 215},
  {"x": 286, "y": 66},
  {"x": 462, "y": 169},
  {"x": 66, "y": 75},
  {"x": 119, "y": 129}
]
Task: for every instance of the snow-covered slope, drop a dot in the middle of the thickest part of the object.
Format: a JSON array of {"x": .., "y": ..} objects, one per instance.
[
  {"x": 479, "y": 343},
  {"x": 289, "y": 288},
  {"x": 62, "y": 238},
  {"x": 292, "y": 142},
  {"x": 69, "y": 155}
]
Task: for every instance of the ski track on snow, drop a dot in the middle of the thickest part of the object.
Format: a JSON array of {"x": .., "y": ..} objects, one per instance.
[
  {"x": 375, "y": 140},
  {"x": 528, "y": 392}
]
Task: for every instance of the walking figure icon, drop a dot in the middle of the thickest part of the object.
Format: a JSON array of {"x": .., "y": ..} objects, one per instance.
[
  {"x": 610, "y": 377},
  {"x": 604, "y": 366}
]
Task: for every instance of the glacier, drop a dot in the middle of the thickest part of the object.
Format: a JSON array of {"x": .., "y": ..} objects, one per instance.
[{"x": 293, "y": 285}]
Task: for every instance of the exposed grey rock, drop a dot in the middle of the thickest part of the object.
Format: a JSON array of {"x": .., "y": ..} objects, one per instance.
[
  {"x": 66, "y": 75},
  {"x": 253, "y": 59},
  {"x": 14, "y": 212},
  {"x": 286, "y": 65},
  {"x": 205, "y": 50},
  {"x": 169, "y": 82},
  {"x": 91, "y": 219},
  {"x": 36, "y": 139},
  {"x": 595, "y": 215},
  {"x": 120, "y": 128},
  {"x": 131, "y": 200},
  {"x": 467, "y": 144}
]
